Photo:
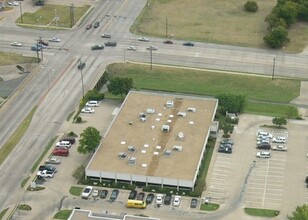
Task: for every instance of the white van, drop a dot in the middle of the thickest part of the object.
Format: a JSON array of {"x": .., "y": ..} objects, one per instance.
[
  {"x": 92, "y": 103},
  {"x": 263, "y": 154},
  {"x": 64, "y": 144},
  {"x": 265, "y": 134}
]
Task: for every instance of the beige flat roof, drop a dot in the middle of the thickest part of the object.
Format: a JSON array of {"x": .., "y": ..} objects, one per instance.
[{"x": 128, "y": 130}]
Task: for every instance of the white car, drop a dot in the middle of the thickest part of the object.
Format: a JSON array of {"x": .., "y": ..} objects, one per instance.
[
  {"x": 45, "y": 174},
  {"x": 279, "y": 148},
  {"x": 54, "y": 39},
  {"x": 279, "y": 140},
  {"x": 86, "y": 192},
  {"x": 145, "y": 39},
  {"x": 95, "y": 193},
  {"x": 87, "y": 110},
  {"x": 13, "y": 3},
  {"x": 131, "y": 48},
  {"x": 53, "y": 160},
  {"x": 177, "y": 201},
  {"x": 159, "y": 199},
  {"x": 263, "y": 154},
  {"x": 16, "y": 44},
  {"x": 92, "y": 103}
]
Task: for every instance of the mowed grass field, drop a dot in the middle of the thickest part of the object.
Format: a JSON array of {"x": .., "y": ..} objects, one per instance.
[{"x": 223, "y": 21}]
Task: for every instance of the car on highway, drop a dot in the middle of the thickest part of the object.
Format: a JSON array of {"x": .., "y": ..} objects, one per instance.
[
  {"x": 152, "y": 48},
  {"x": 81, "y": 65},
  {"x": 87, "y": 110},
  {"x": 106, "y": 35},
  {"x": 189, "y": 44},
  {"x": 132, "y": 195},
  {"x": 279, "y": 148},
  {"x": 54, "y": 39},
  {"x": 110, "y": 44},
  {"x": 114, "y": 195},
  {"x": 131, "y": 48},
  {"x": 16, "y": 44},
  {"x": 60, "y": 152},
  {"x": 193, "y": 203},
  {"x": 144, "y": 39},
  {"x": 263, "y": 154},
  {"x": 53, "y": 160},
  {"x": 103, "y": 194},
  {"x": 141, "y": 196},
  {"x": 86, "y": 192},
  {"x": 167, "y": 199},
  {"x": 45, "y": 174},
  {"x": 88, "y": 26},
  {"x": 177, "y": 201},
  {"x": 168, "y": 42},
  {"x": 40, "y": 41},
  {"x": 96, "y": 24},
  {"x": 48, "y": 168},
  {"x": 159, "y": 199},
  {"x": 149, "y": 199},
  {"x": 97, "y": 47}
]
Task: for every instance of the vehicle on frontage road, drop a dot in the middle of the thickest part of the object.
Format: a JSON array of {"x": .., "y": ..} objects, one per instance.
[
  {"x": 106, "y": 35},
  {"x": 97, "y": 47},
  {"x": 16, "y": 44},
  {"x": 152, "y": 48},
  {"x": 110, "y": 44},
  {"x": 54, "y": 39},
  {"x": 131, "y": 48},
  {"x": 144, "y": 39},
  {"x": 168, "y": 42},
  {"x": 190, "y": 44}
]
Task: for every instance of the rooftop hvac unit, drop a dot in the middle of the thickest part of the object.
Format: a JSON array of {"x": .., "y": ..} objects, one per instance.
[
  {"x": 191, "y": 109},
  {"x": 131, "y": 148},
  {"x": 150, "y": 111},
  {"x": 167, "y": 153},
  {"x": 144, "y": 165},
  {"x": 182, "y": 114},
  {"x": 177, "y": 148},
  {"x": 181, "y": 135},
  {"x": 122, "y": 155},
  {"x": 131, "y": 160},
  {"x": 169, "y": 104},
  {"x": 165, "y": 128}
]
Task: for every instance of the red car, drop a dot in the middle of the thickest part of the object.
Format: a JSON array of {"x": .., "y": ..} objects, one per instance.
[
  {"x": 60, "y": 152},
  {"x": 88, "y": 26}
]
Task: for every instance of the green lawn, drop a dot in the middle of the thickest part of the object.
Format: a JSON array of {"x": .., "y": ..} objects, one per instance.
[
  {"x": 214, "y": 21},
  {"x": 261, "y": 212},
  {"x": 12, "y": 58},
  {"x": 76, "y": 191},
  {"x": 63, "y": 214}
]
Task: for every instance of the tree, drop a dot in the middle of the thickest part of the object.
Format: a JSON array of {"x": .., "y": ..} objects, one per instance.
[
  {"x": 120, "y": 86},
  {"x": 227, "y": 129},
  {"x": 288, "y": 12},
  {"x": 231, "y": 103},
  {"x": 277, "y": 37},
  {"x": 279, "y": 121},
  {"x": 89, "y": 140},
  {"x": 300, "y": 213},
  {"x": 251, "y": 6}
]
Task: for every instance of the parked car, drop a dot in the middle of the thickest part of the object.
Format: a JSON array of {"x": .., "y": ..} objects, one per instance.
[
  {"x": 226, "y": 150},
  {"x": 81, "y": 65},
  {"x": 48, "y": 168},
  {"x": 265, "y": 134},
  {"x": 97, "y": 47},
  {"x": 264, "y": 146},
  {"x": 86, "y": 192},
  {"x": 88, "y": 26},
  {"x": 190, "y": 44},
  {"x": 145, "y": 39},
  {"x": 72, "y": 140},
  {"x": 263, "y": 154},
  {"x": 141, "y": 196},
  {"x": 159, "y": 199},
  {"x": 177, "y": 201},
  {"x": 132, "y": 195},
  {"x": 103, "y": 194},
  {"x": 114, "y": 195},
  {"x": 87, "y": 110},
  {"x": 167, "y": 199},
  {"x": 60, "y": 152},
  {"x": 280, "y": 148},
  {"x": 96, "y": 24},
  {"x": 227, "y": 141},
  {"x": 95, "y": 193},
  {"x": 16, "y": 44},
  {"x": 152, "y": 48},
  {"x": 54, "y": 39},
  {"x": 193, "y": 203},
  {"x": 92, "y": 103},
  {"x": 279, "y": 140},
  {"x": 45, "y": 174},
  {"x": 53, "y": 160},
  {"x": 264, "y": 141},
  {"x": 131, "y": 48},
  {"x": 149, "y": 199},
  {"x": 106, "y": 35},
  {"x": 168, "y": 42},
  {"x": 110, "y": 44},
  {"x": 64, "y": 144}
]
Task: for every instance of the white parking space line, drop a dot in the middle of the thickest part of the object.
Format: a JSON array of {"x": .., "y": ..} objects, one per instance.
[
  {"x": 221, "y": 170},
  {"x": 218, "y": 174}
]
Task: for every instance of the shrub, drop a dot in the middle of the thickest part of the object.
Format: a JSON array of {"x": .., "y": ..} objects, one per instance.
[
  {"x": 251, "y": 6},
  {"x": 78, "y": 119}
]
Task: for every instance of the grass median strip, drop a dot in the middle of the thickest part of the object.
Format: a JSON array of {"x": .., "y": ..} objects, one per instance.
[{"x": 262, "y": 212}]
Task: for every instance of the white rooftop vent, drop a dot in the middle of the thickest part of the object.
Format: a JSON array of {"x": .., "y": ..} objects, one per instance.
[
  {"x": 160, "y": 114},
  {"x": 157, "y": 119},
  {"x": 131, "y": 148},
  {"x": 150, "y": 111},
  {"x": 171, "y": 116},
  {"x": 153, "y": 126},
  {"x": 156, "y": 153},
  {"x": 165, "y": 128},
  {"x": 191, "y": 122},
  {"x": 169, "y": 121},
  {"x": 182, "y": 114},
  {"x": 158, "y": 147},
  {"x": 191, "y": 109},
  {"x": 145, "y": 145},
  {"x": 143, "y": 119},
  {"x": 122, "y": 155},
  {"x": 132, "y": 160},
  {"x": 169, "y": 104},
  {"x": 123, "y": 142},
  {"x": 181, "y": 135},
  {"x": 167, "y": 153},
  {"x": 144, "y": 165},
  {"x": 177, "y": 148},
  {"x": 143, "y": 151}
]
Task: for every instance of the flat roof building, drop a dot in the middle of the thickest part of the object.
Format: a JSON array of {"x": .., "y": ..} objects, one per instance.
[{"x": 156, "y": 138}]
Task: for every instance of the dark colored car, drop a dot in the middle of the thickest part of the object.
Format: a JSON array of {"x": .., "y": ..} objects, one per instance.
[
  {"x": 45, "y": 43},
  {"x": 227, "y": 141},
  {"x": 111, "y": 44},
  {"x": 264, "y": 146},
  {"x": 193, "y": 203},
  {"x": 88, "y": 26},
  {"x": 72, "y": 140},
  {"x": 103, "y": 194},
  {"x": 114, "y": 195},
  {"x": 141, "y": 196},
  {"x": 168, "y": 42},
  {"x": 48, "y": 168},
  {"x": 39, "y": 3},
  {"x": 167, "y": 199},
  {"x": 149, "y": 199},
  {"x": 36, "y": 48},
  {"x": 190, "y": 44},
  {"x": 225, "y": 146},
  {"x": 132, "y": 194},
  {"x": 96, "y": 24},
  {"x": 225, "y": 150},
  {"x": 81, "y": 65},
  {"x": 60, "y": 152},
  {"x": 97, "y": 47}
]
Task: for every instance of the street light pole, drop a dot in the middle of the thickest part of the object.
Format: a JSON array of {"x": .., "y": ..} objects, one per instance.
[
  {"x": 21, "y": 19},
  {"x": 151, "y": 57},
  {"x": 82, "y": 85},
  {"x": 273, "y": 73}
]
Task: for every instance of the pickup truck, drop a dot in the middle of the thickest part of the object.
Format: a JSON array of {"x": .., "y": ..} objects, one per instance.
[{"x": 45, "y": 174}]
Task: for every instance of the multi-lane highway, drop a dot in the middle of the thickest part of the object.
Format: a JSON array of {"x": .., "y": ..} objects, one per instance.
[{"x": 56, "y": 87}]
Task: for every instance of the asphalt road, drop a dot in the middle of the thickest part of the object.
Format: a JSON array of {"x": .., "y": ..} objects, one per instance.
[{"x": 56, "y": 87}]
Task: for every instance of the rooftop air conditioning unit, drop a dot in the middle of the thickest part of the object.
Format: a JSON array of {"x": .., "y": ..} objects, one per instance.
[
  {"x": 191, "y": 109},
  {"x": 165, "y": 128},
  {"x": 132, "y": 160},
  {"x": 122, "y": 155},
  {"x": 182, "y": 114},
  {"x": 181, "y": 135},
  {"x": 167, "y": 153},
  {"x": 150, "y": 111},
  {"x": 177, "y": 148},
  {"x": 169, "y": 104},
  {"x": 131, "y": 148}
]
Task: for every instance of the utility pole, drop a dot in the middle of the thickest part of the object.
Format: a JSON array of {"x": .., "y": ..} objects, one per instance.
[
  {"x": 72, "y": 15},
  {"x": 37, "y": 51},
  {"x": 151, "y": 57},
  {"x": 273, "y": 73},
  {"x": 124, "y": 54},
  {"x": 41, "y": 48},
  {"x": 166, "y": 27},
  {"x": 82, "y": 85},
  {"x": 21, "y": 19}
]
